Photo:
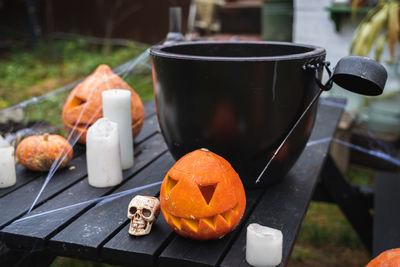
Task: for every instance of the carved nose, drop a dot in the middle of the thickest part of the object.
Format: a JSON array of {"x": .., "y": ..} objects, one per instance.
[{"x": 137, "y": 215}]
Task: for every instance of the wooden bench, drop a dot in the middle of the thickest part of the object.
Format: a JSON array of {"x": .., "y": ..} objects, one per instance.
[{"x": 99, "y": 231}]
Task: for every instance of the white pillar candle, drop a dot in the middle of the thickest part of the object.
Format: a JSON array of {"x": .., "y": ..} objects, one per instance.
[
  {"x": 117, "y": 108},
  {"x": 102, "y": 154},
  {"x": 263, "y": 245},
  {"x": 7, "y": 167}
]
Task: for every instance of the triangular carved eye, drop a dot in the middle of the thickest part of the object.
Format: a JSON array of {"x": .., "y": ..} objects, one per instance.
[
  {"x": 207, "y": 191},
  {"x": 170, "y": 184},
  {"x": 77, "y": 101}
]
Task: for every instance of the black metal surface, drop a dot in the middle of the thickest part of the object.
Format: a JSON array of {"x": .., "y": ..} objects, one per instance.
[
  {"x": 360, "y": 75},
  {"x": 238, "y": 99}
]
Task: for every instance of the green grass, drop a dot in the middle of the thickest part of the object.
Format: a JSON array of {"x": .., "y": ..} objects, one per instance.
[
  {"x": 326, "y": 237},
  {"x": 31, "y": 72},
  {"x": 69, "y": 262},
  {"x": 27, "y": 73}
]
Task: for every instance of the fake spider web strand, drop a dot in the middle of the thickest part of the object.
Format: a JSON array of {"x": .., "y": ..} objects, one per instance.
[
  {"x": 378, "y": 154},
  {"x": 61, "y": 156},
  {"x": 56, "y": 164},
  {"x": 105, "y": 199},
  {"x": 99, "y": 201}
]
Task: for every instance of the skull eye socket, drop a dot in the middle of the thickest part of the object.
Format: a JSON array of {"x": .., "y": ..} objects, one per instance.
[
  {"x": 132, "y": 210},
  {"x": 146, "y": 213}
]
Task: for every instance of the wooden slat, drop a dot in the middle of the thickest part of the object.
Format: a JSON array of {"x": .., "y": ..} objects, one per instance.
[
  {"x": 19, "y": 201},
  {"x": 61, "y": 180},
  {"x": 38, "y": 229},
  {"x": 84, "y": 236},
  {"x": 284, "y": 205},
  {"x": 124, "y": 248},
  {"x": 150, "y": 127},
  {"x": 186, "y": 252},
  {"x": 102, "y": 230},
  {"x": 386, "y": 233},
  {"x": 150, "y": 108},
  {"x": 24, "y": 176}
]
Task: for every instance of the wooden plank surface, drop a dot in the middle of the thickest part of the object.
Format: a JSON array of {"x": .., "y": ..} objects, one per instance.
[
  {"x": 24, "y": 196},
  {"x": 185, "y": 252},
  {"x": 19, "y": 201},
  {"x": 283, "y": 206},
  {"x": 124, "y": 248},
  {"x": 92, "y": 229},
  {"x": 386, "y": 233},
  {"x": 24, "y": 176},
  {"x": 100, "y": 231},
  {"x": 38, "y": 229}
]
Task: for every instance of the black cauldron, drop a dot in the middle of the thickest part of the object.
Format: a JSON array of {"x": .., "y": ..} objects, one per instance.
[{"x": 241, "y": 99}]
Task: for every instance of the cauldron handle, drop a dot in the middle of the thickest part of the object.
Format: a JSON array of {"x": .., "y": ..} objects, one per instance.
[{"x": 357, "y": 74}]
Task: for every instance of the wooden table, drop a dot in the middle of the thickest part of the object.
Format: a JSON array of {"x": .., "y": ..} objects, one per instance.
[{"x": 99, "y": 231}]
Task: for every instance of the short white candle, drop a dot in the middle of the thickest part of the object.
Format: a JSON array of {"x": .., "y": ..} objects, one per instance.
[
  {"x": 7, "y": 167},
  {"x": 263, "y": 245},
  {"x": 102, "y": 154},
  {"x": 117, "y": 108}
]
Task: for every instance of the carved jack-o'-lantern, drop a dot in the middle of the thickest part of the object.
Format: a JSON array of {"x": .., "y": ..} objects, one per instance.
[
  {"x": 83, "y": 106},
  {"x": 202, "y": 197}
]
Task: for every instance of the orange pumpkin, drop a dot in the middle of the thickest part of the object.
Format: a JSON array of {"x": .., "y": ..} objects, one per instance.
[
  {"x": 38, "y": 153},
  {"x": 202, "y": 197},
  {"x": 388, "y": 258},
  {"x": 83, "y": 106}
]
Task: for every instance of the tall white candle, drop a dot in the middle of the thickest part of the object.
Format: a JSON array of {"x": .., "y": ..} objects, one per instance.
[
  {"x": 117, "y": 108},
  {"x": 102, "y": 154},
  {"x": 7, "y": 167},
  {"x": 263, "y": 245}
]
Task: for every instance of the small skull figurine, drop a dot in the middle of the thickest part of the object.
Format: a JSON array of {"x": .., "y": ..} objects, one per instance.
[{"x": 143, "y": 212}]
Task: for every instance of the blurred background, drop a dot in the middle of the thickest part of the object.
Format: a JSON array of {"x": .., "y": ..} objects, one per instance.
[{"x": 47, "y": 46}]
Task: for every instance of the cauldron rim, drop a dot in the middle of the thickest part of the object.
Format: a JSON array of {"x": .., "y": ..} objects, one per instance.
[{"x": 159, "y": 50}]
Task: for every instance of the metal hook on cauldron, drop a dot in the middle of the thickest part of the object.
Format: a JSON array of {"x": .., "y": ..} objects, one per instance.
[{"x": 357, "y": 74}]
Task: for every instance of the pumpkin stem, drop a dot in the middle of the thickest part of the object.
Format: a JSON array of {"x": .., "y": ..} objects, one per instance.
[
  {"x": 205, "y": 149},
  {"x": 46, "y": 137}
]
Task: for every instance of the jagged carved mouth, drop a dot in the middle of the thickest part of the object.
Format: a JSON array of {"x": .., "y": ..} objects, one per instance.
[{"x": 193, "y": 224}]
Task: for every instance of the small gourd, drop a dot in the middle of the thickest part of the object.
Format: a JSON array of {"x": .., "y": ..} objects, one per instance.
[
  {"x": 202, "y": 197},
  {"x": 38, "y": 153}
]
